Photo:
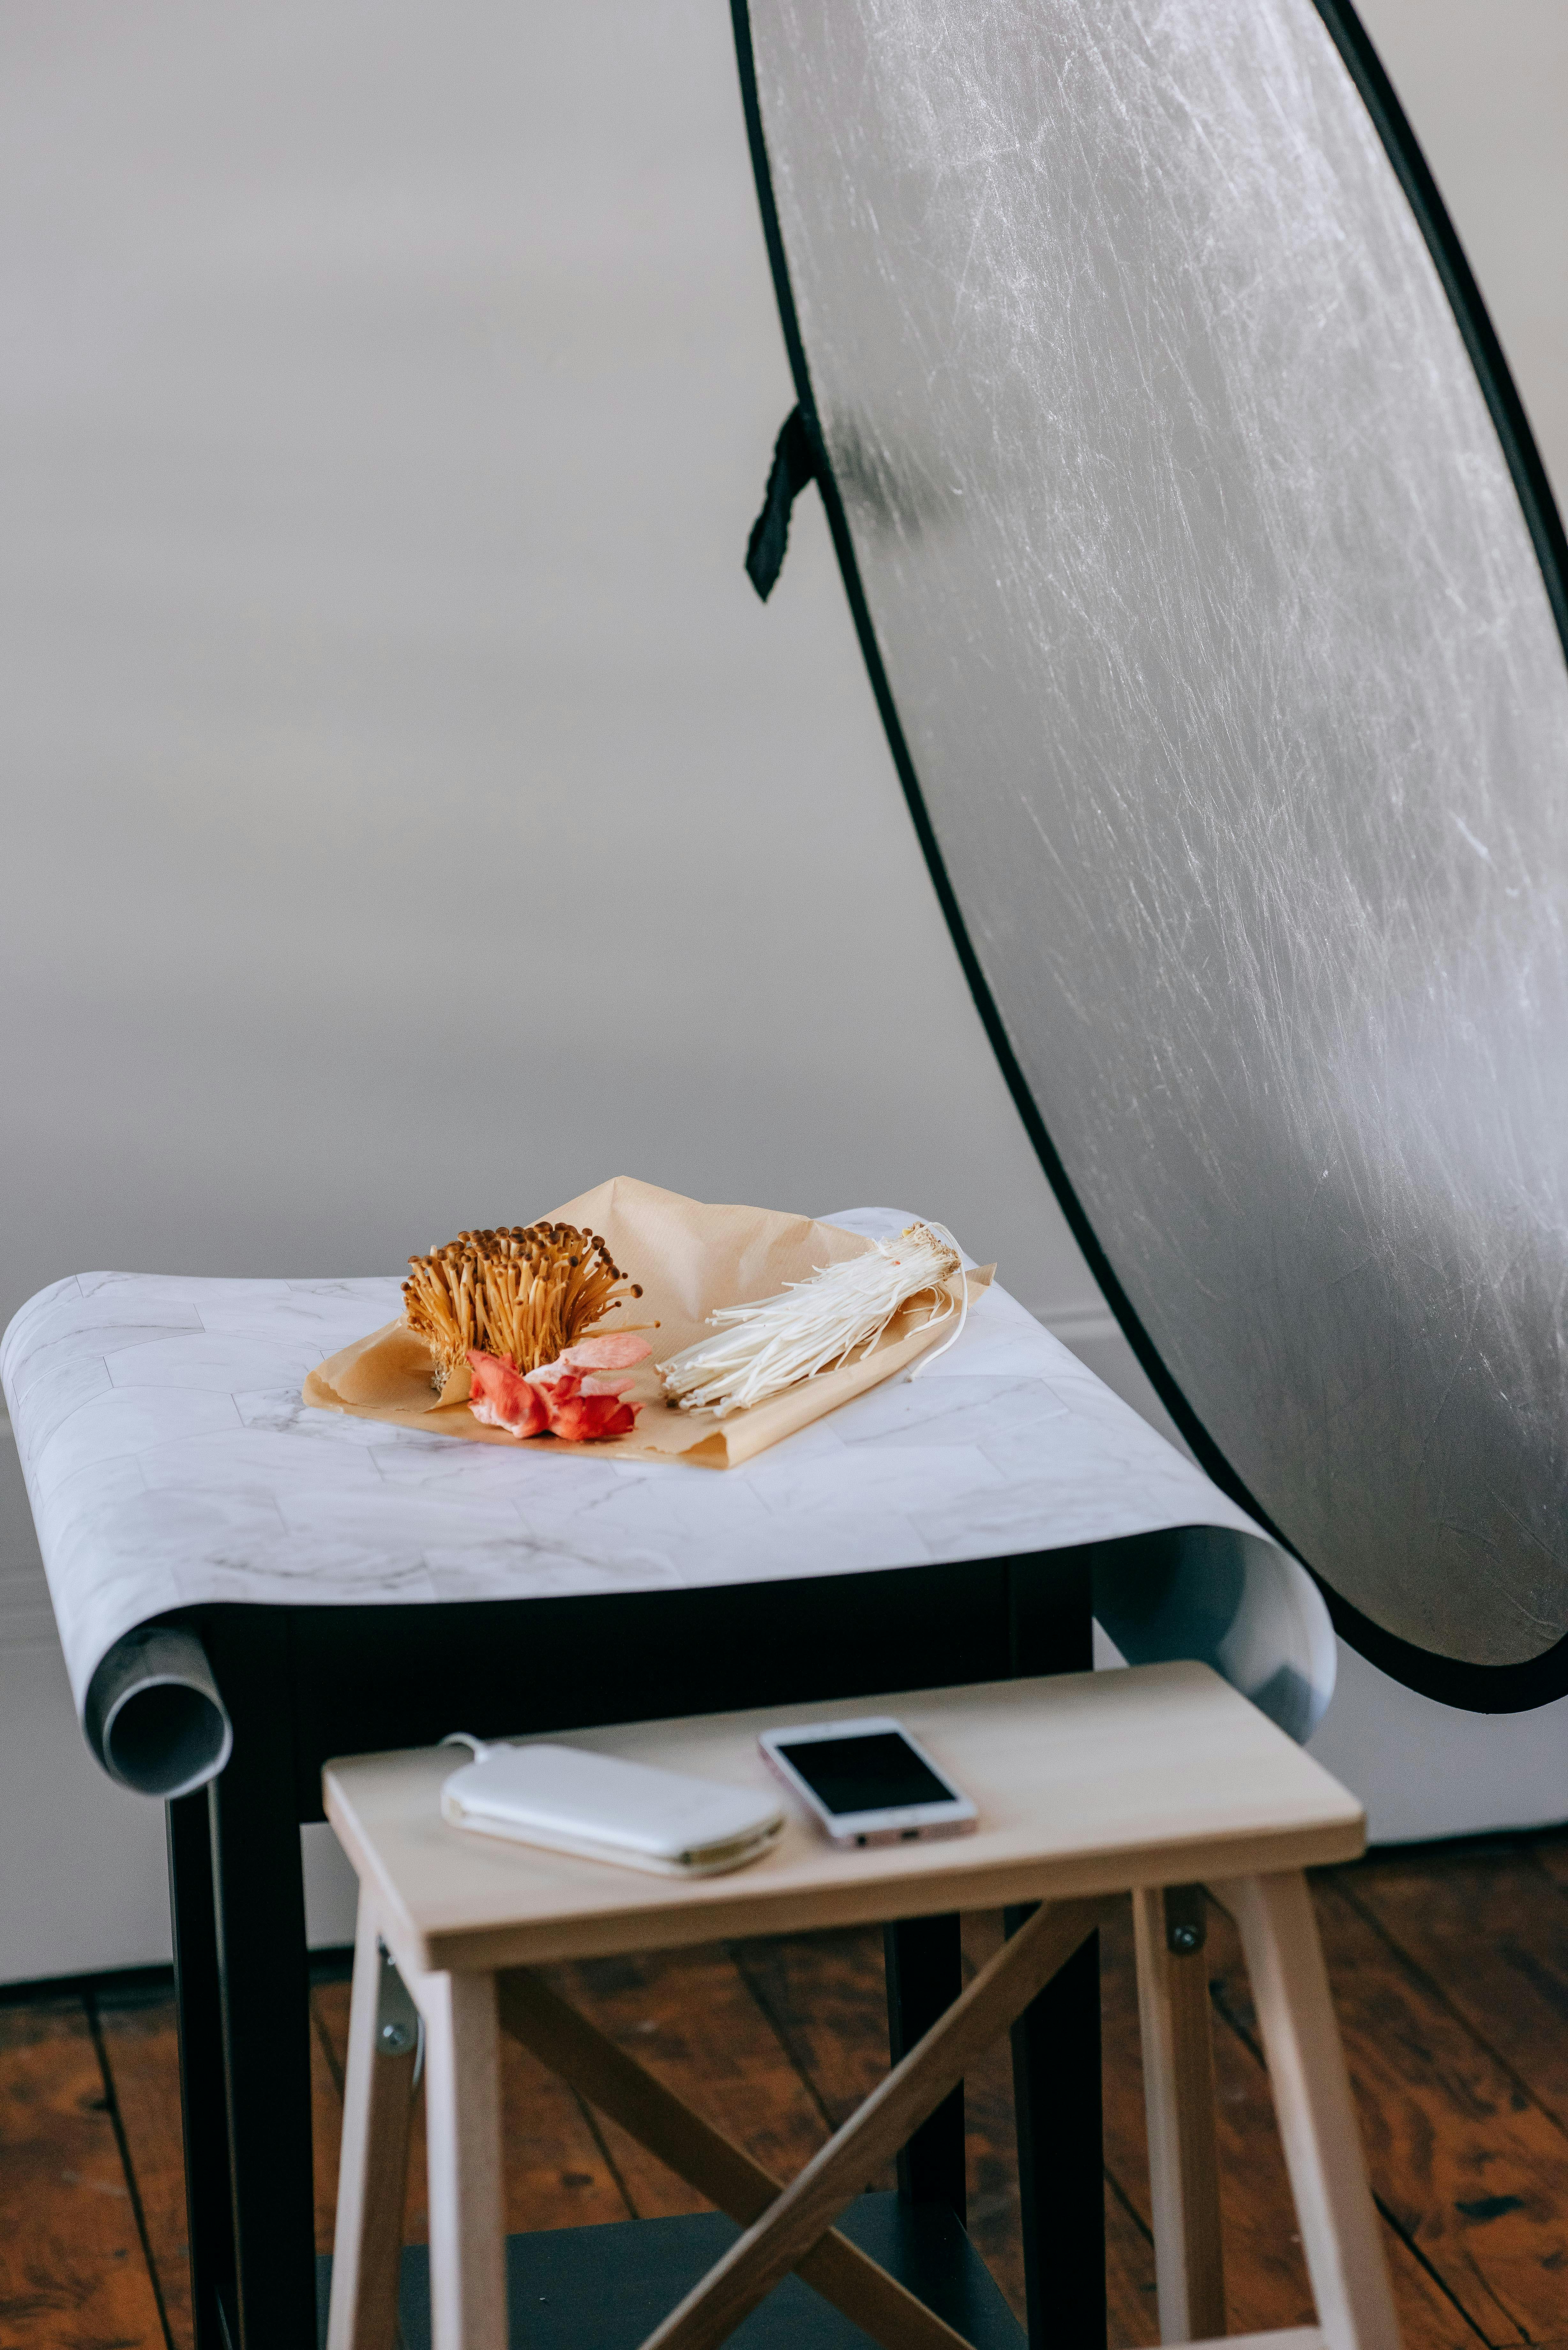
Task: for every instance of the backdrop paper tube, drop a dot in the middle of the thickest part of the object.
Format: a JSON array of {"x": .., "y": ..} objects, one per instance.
[
  {"x": 153, "y": 1715},
  {"x": 1230, "y": 1600},
  {"x": 156, "y": 1721}
]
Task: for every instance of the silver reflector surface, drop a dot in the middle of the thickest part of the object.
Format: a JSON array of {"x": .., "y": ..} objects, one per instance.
[{"x": 1224, "y": 667}]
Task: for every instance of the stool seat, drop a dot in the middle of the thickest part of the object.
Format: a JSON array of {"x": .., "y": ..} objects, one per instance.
[
  {"x": 1153, "y": 1781},
  {"x": 1085, "y": 1783}
]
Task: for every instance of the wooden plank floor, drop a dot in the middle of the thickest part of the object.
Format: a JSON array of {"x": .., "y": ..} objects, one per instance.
[{"x": 1450, "y": 1970}]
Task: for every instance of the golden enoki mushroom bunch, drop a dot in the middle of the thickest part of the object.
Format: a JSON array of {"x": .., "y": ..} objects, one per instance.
[{"x": 524, "y": 1294}]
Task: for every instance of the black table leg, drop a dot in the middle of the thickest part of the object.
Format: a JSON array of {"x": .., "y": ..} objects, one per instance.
[
  {"x": 925, "y": 1975},
  {"x": 1057, "y": 2103},
  {"x": 202, "y": 2098},
  {"x": 265, "y": 1985},
  {"x": 1056, "y": 2041}
]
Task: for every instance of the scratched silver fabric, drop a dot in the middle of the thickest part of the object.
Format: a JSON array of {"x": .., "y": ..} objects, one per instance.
[{"x": 1230, "y": 677}]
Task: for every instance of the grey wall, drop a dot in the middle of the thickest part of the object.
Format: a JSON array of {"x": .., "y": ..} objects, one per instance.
[
  {"x": 410, "y": 815},
  {"x": 415, "y": 817}
]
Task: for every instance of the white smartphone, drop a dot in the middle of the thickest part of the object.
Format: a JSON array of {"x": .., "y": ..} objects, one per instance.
[{"x": 867, "y": 1781}]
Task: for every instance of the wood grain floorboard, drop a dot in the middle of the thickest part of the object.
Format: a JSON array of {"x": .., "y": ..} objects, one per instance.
[
  {"x": 556, "y": 2174},
  {"x": 826, "y": 1997},
  {"x": 1445, "y": 2127},
  {"x": 1450, "y": 1971},
  {"x": 1471, "y": 2170},
  {"x": 1266, "y": 2282},
  {"x": 1488, "y": 1933},
  {"x": 73, "y": 2271},
  {"x": 326, "y": 2110},
  {"x": 689, "y": 2017},
  {"x": 141, "y": 2049}
]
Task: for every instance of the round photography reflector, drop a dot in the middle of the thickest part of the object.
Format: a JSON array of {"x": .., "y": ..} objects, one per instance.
[{"x": 1211, "y": 590}]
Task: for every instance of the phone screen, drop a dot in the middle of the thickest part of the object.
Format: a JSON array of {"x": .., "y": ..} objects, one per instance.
[{"x": 877, "y": 1772}]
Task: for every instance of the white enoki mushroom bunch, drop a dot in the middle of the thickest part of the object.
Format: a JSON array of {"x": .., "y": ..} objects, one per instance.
[{"x": 811, "y": 1325}]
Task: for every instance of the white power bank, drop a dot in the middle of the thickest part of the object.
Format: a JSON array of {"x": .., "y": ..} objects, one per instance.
[{"x": 569, "y": 1800}]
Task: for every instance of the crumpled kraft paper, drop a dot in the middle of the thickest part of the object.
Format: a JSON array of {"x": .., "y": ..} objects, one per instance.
[{"x": 690, "y": 1258}]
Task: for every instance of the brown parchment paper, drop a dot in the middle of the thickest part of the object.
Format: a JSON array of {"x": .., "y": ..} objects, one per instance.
[{"x": 690, "y": 1258}]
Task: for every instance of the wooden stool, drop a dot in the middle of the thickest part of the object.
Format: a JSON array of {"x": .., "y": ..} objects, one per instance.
[{"x": 1154, "y": 1781}]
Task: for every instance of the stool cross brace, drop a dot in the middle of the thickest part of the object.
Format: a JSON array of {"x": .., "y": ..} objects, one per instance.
[{"x": 785, "y": 2229}]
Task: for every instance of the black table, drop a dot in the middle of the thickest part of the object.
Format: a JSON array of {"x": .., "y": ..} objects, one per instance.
[{"x": 306, "y": 1683}]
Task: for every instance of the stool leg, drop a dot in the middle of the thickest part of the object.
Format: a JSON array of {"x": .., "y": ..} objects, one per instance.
[
  {"x": 372, "y": 2171},
  {"x": 1179, "y": 2097},
  {"x": 1335, "y": 2210},
  {"x": 462, "y": 2133}
]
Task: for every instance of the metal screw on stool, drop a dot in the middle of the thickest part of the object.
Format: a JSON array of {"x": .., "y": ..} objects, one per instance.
[
  {"x": 1186, "y": 1919},
  {"x": 398, "y": 2027}
]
